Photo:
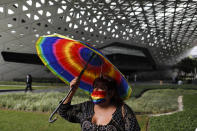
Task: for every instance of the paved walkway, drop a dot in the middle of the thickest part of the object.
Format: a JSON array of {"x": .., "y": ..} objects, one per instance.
[
  {"x": 33, "y": 85},
  {"x": 59, "y": 89}
]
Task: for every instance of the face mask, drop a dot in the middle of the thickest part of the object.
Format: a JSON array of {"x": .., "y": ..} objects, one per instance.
[{"x": 98, "y": 96}]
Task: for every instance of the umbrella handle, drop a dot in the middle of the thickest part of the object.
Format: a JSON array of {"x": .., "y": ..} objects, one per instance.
[
  {"x": 79, "y": 77},
  {"x": 62, "y": 101}
]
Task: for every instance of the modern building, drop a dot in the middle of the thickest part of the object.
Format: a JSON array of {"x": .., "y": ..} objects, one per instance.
[{"x": 136, "y": 35}]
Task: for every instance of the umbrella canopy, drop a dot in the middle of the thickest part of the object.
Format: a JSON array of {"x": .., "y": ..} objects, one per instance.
[{"x": 66, "y": 58}]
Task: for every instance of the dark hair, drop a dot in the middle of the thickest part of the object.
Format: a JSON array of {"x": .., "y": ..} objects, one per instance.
[{"x": 111, "y": 87}]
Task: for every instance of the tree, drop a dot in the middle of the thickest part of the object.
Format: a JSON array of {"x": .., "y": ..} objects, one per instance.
[{"x": 186, "y": 65}]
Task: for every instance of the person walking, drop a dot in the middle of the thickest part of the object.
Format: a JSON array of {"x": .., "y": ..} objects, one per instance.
[{"x": 28, "y": 83}]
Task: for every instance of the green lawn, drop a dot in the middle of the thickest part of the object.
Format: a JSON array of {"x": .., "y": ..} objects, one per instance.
[
  {"x": 23, "y": 87},
  {"x": 33, "y": 83},
  {"x": 139, "y": 89},
  {"x": 158, "y": 101},
  {"x": 181, "y": 121},
  {"x": 42, "y": 102},
  {"x": 143, "y": 121},
  {"x": 32, "y": 121},
  {"x": 152, "y": 101},
  {"x": 12, "y": 85},
  {"x": 45, "y": 102}
]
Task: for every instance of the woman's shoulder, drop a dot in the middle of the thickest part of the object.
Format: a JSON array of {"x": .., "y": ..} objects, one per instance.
[
  {"x": 130, "y": 118},
  {"x": 87, "y": 105},
  {"x": 127, "y": 108}
]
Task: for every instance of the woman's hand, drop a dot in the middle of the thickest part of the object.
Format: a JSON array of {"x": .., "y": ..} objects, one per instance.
[{"x": 75, "y": 84}]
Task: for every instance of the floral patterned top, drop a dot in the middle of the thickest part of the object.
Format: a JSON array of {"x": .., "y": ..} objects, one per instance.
[{"x": 82, "y": 113}]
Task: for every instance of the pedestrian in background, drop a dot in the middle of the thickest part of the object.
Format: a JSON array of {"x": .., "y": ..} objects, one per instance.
[{"x": 28, "y": 83}]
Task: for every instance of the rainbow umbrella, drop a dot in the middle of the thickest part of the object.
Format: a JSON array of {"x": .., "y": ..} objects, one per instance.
[{"x": 66, "y": 58}]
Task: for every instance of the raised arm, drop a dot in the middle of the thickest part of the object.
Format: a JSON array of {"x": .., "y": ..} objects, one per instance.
[
  {"x": 72, "y": 113},
  {"x": 73, "y": 84}
]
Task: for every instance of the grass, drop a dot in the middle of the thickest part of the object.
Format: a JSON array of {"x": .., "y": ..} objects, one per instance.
[
  {"x": 182, "y": 121},
  {"x": 153, "y": 101},
  {"x": 138, "y": 90},
  {"x": 43, "y": 102},
  {"x": 33, "y": 83},
  {"x": 23, "y": 87},
  {"x": 157, "y": 101},
  {"x": 11, "y": 87},
  {"x": 32, "y": 121},
  {"x": 143, "y": 121}
]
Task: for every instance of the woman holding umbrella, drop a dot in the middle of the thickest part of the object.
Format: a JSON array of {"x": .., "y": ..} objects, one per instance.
[
  {"x": 106, "y": 111},
  {"x": 68, "y": 58}
]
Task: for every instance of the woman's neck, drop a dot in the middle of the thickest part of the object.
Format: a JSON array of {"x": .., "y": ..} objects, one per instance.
[
  {"x": 104, "y": 105},
  {"x": 103, "y": 113}
]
